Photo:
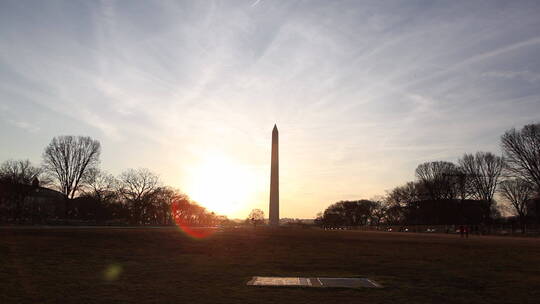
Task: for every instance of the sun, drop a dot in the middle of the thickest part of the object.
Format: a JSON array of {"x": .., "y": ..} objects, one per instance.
[{"x": 222, "y": 184}]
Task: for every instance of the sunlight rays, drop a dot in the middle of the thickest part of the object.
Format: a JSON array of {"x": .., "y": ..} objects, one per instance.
[{"x": 222, "y": 184}]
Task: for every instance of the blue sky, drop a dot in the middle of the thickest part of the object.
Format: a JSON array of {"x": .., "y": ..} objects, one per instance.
[{"x": 361, "y": 91}]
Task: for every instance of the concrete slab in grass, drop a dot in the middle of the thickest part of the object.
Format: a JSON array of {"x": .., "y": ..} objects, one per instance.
[{"x": 314, "y": 282}]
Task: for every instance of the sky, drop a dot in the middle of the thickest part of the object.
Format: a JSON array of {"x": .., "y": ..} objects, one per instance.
[{"x": 361, "y": 91}]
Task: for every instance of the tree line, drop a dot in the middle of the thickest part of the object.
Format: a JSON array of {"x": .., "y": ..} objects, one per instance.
[
  {"x": 85, "y": 193},
  {"x": 446, "y": 193}
]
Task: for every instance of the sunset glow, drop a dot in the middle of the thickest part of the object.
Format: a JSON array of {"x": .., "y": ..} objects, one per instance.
[
  {"x": 222, "y": 184},
  {"x": 362, "y": 91},
  {"x": 215, "y": 151}
]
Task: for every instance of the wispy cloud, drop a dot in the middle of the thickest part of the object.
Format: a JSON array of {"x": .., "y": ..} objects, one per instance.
[
  {"x": 362, "y": 91},
  {"x": 24, "y": 125},
  {"x": 519, "y": 75}
]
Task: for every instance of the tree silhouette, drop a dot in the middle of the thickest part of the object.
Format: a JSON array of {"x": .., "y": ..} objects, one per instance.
[
  {"x": 521, "y": 150},
  {"x": 350, "y": 213},
  {"x": 69, "y": 159},
  {"x": 19, "y": 171},
  {"x": 18, "y": 178},
  {"x": 437, "y": 179},
  {"x": 100, "y": 185},
  {"x": 256, "y": 216},
  {"x": 518, "y": 192},
  {"x": 137, "y": 187},
  {"x": 483, "y": 171}
]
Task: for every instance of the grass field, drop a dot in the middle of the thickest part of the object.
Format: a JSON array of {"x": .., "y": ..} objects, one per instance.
[{"x": 165, "y": 266}]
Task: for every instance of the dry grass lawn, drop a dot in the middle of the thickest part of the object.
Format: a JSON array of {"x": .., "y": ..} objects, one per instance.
[{"x": 165, "y": 266}]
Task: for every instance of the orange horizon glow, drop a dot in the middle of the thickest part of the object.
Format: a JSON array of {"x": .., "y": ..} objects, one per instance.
[
  {"x": 224, "y": 185},
  {"x": 184, "y": 226}
]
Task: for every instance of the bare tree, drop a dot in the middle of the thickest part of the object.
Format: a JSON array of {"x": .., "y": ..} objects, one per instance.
[
  {"x": 462, "y": 184},
  {"x": 69, "y": 160},
  {"x": 181, "y": 207},
  {"x": 401, "y": 200},
  {"x": 404, "y": 195},
  {"x": 19, "y": 171},
  {"x": 164, "y": 206},
  {"x": 378, "y": 214},
  {"x": 100, "y": 185},
  {"x": 19, "y": 179},
  {"x": 483, "y": 171},
  {"x": 256, "y": 216},
  {"x": 350, "y": 213},
  {"x": 521, "y": 150},
  {"x": 135, "y": 184},
  {"x": 518, "y": 192},
  {"x": 137, "y": 187},
  {"x": 438, "y": 179}
]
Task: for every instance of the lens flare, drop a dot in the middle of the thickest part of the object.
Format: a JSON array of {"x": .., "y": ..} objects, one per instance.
[
  {"x": 112, "y": 272},
  {"x": 183, "y": 219}
]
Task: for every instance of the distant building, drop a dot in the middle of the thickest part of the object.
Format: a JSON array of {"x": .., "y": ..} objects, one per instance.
[{"x": 20, "y": 203}]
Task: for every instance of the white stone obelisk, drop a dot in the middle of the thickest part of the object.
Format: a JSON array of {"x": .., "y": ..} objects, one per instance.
[{"x": 274, "y": 180}]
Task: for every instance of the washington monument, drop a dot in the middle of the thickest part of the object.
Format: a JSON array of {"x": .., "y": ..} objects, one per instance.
[{"x": 274, "y": 180}]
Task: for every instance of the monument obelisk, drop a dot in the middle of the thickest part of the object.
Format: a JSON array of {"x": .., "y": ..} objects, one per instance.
[{"x": 274, "y": 180}]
